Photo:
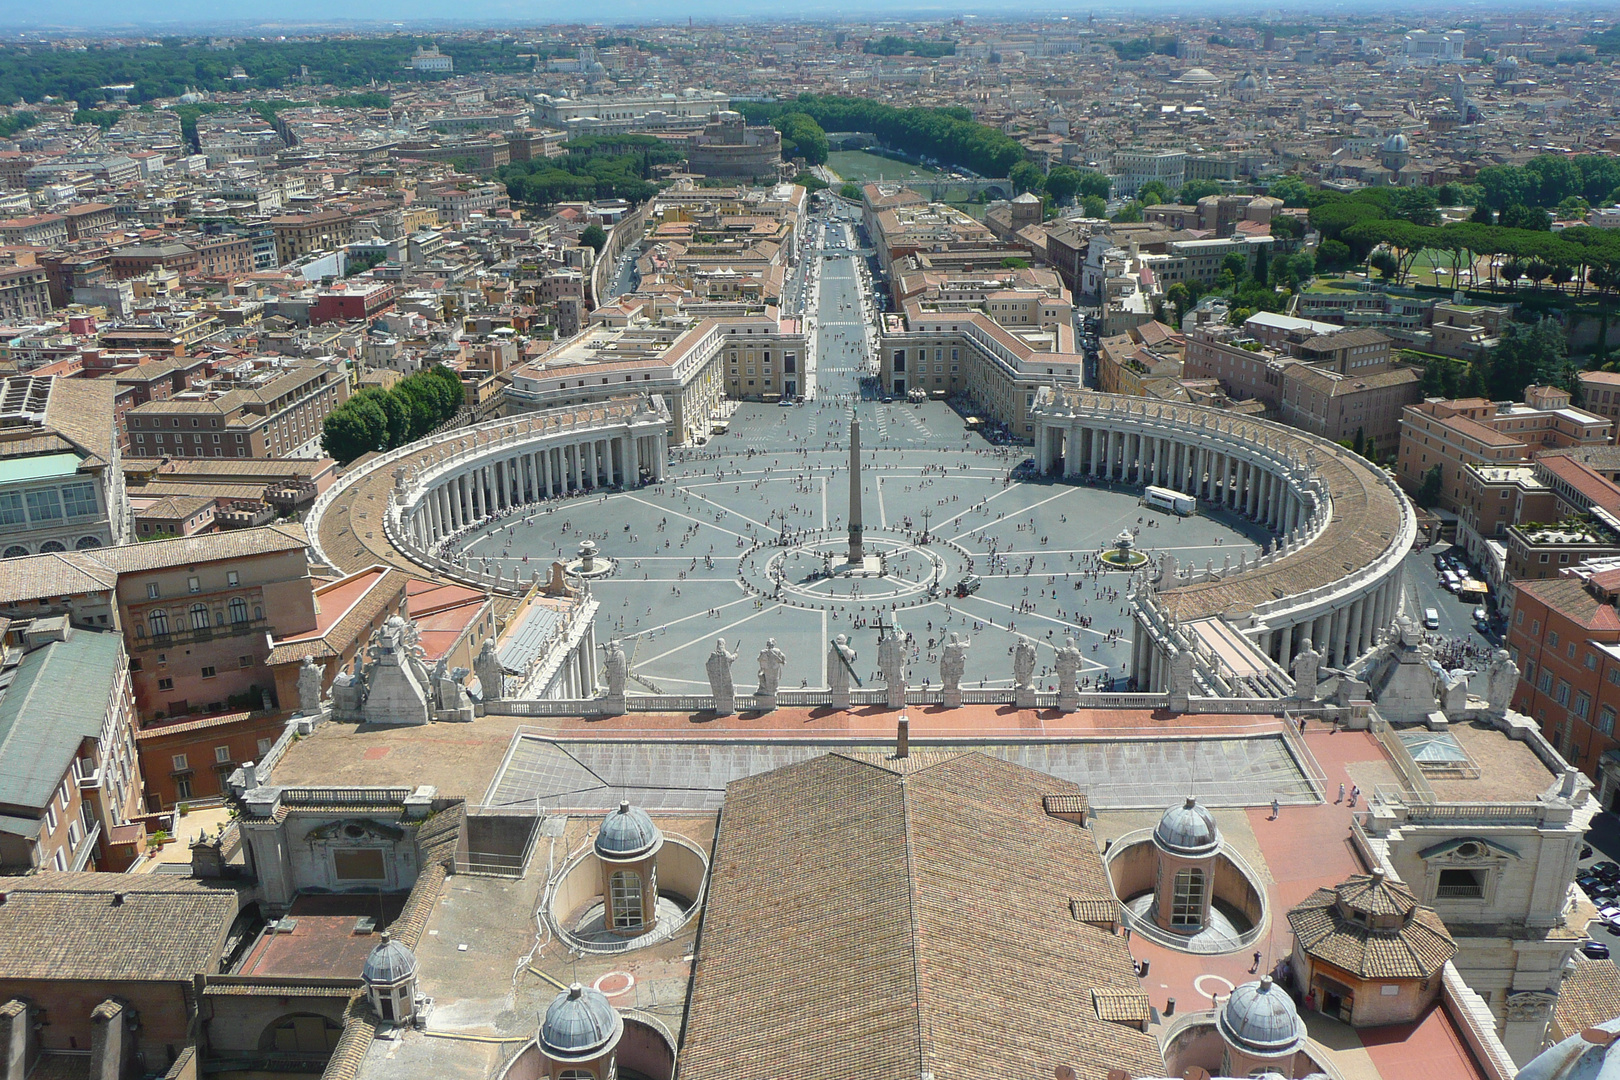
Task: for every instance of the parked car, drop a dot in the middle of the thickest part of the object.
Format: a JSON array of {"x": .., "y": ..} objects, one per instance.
[
  {"x": 1586, "y": 851},
  {"x": 1594, "y": 950},
  {"x": 1431, "y": 619}
]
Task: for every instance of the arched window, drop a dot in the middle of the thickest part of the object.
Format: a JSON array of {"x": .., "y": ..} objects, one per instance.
[
  {"x": 626, "y": 899},
  {"x": 85, "y": 543},
  {"x": 158, "y": 620},
  {"x": 52, "y": 545},
  {"x": 1187, "y": 898},
  {"x": 576, "y": 1074},
  {"x": 238, "y": 610},
  {"x": 15, "y": 551},
  {"x": 199, "y": 616}
]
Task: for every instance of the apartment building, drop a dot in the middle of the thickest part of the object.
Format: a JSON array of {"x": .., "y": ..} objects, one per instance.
[
  {"x": 298, "y": 235},
  {"x": 1343, "y": 407},
  {"x": 688, "y": 364},
  {"x": 38, "y": 230},
  {"x": 61, "y": 468},
  {"x": 1600, "y": 394},
  {"x": 69, "y": 776},
  {"x": 254, "y": 409},
  {"x": 25, "y": 293},
  {"x": 1472, "y": 431},
  {"x": 1565, "y": 637}
]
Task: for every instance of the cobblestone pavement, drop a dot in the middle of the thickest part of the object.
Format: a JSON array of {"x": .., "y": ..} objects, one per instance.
[{"x": 689, "y": 569}]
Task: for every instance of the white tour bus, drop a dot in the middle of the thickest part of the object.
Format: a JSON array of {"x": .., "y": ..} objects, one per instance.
[{"x": 1164, "y": 499}]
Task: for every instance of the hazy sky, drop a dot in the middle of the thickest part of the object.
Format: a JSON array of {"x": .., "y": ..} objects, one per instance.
[{"x": 200, "y": 15}]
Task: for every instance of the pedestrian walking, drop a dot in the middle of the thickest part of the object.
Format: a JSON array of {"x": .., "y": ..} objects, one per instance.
[
  {"x": 1256, "y": 966},
  {"x": 1355, "y": 793},
  {"x": 1276, "y": 809},
  {"x": 1302, "y": 725},
  {"x": 1340, "y": 799}
]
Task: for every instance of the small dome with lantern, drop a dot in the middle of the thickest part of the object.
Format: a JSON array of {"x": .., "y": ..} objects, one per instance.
[
  {"x": 580, "y": 1024},
  {"x": 1188, "y": 830}
]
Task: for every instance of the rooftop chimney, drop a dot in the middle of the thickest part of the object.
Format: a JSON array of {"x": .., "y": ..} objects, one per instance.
[{"x": 902, "y": 738}]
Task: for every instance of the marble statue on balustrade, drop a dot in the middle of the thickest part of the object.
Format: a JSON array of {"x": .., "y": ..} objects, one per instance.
[
  {"x": 840, "y": 670},
  {"x": 1182, "y": 681},
  {"x": 309, "y": 687},
  {"x": 1024, "y": 674},
  {"x": 952, "y": 665},
  {"x": 1068, "y": 665},
  {"x": 616, "y": 669},
  {"x": 491, "y": 675},
  {"x": 718, "y": 668},
  {"x": 1306, "y": 663},
  {"x": 397, "y": 690},
  {"x": 771, "y": 661},
  {"x": 1501, "y": 680},
  {"x": 1403, "y": 678},
  {"x": 449, "y": 694},
  {"x": 892, "y": 664}
]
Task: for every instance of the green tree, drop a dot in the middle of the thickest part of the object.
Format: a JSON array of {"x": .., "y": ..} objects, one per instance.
[
  {"x": 851, "y": 191},
  {"x": 1429, "y": 491},
  {"x": 802, "y": 137},
  {"x": 1094, "y": 206},
  {"x": 1013, "y": 263},
  {"x": 1027, "y": 176},
  {"x": 1131, "y": 211},
  {"x": 1384, "y": 261},
  {"x": 1193, "y": 190},
  {"x": 593, "y": 237},
  {"x": 355, "y": 428},
  {"x": 1359, "y": 443},
  {"x": 1062, "y": 182},
  {"x": 1152, "y": 193},
  {"x": 1526, "y": 355},
  {"x": 1333, "y": 255},
  {"x": 1094, "y": 183},
  {"x": 1520, "y": 216}
]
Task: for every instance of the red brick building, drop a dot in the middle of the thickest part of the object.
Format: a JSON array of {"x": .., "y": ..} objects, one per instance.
[{"x": 1565, "y": 637}]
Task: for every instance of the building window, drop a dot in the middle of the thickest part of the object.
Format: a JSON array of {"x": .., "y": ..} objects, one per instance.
[
  {"x": 152, "y": 591},
  {"x": 182, "y": 787},
  {"x": 44, "y": 505},
  {"x": 11, "y": 510},
  {"x": 1605, "y": 724},
  {"x": 80, "y": 500},
  {"x": 244, "y": 661},
  {"x": 1461, "y": 885},
  {"x": 1187, "y": 898},
  {"x": 1583, "y": 704},
  {"x": 232, "y": 578},
  {"x": 158, "y": 621},
  {"x": 626, "y": 898},
  {"x": 194, "y": 585},
  {"x": 238, "y": 610},
  {"x": 199, "y": 617},
  {"x": 165, "y": 684},
  {"x": 222, "y": 754},
  {"x": 208, "y": 671},
  {"x": 181, "y": 763}
]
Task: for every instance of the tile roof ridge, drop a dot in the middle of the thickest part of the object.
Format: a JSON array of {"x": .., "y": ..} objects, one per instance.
[{"x": 925, "y": 1041}]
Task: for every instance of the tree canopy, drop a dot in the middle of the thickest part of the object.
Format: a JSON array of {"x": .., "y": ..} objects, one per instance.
[
  {"x": 376, "y": 419},
  {"x": 950, "y": 135}
]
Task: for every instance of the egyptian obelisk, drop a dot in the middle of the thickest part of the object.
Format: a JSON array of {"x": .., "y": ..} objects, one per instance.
[{"x": 857, "y": 551}]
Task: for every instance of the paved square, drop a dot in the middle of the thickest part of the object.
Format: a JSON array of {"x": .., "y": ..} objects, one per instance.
[{"x": 681, "y": 774}]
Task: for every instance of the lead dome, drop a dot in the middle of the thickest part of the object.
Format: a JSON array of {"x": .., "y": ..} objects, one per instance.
[
  {"x": 580, "y": 1023},
  {"x": 1397, "y": 144},
  {"x": 1188, "y": 830},
  {"x": 1259, "y": 1019},
  {"x": 627, "y": 833},
  {"x": 389, "y": 962}
]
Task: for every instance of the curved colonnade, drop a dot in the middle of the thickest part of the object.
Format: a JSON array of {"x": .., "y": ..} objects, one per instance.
[
  {"x": 1334, "y": 576},
  {"x": 438, "y": 488}
]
